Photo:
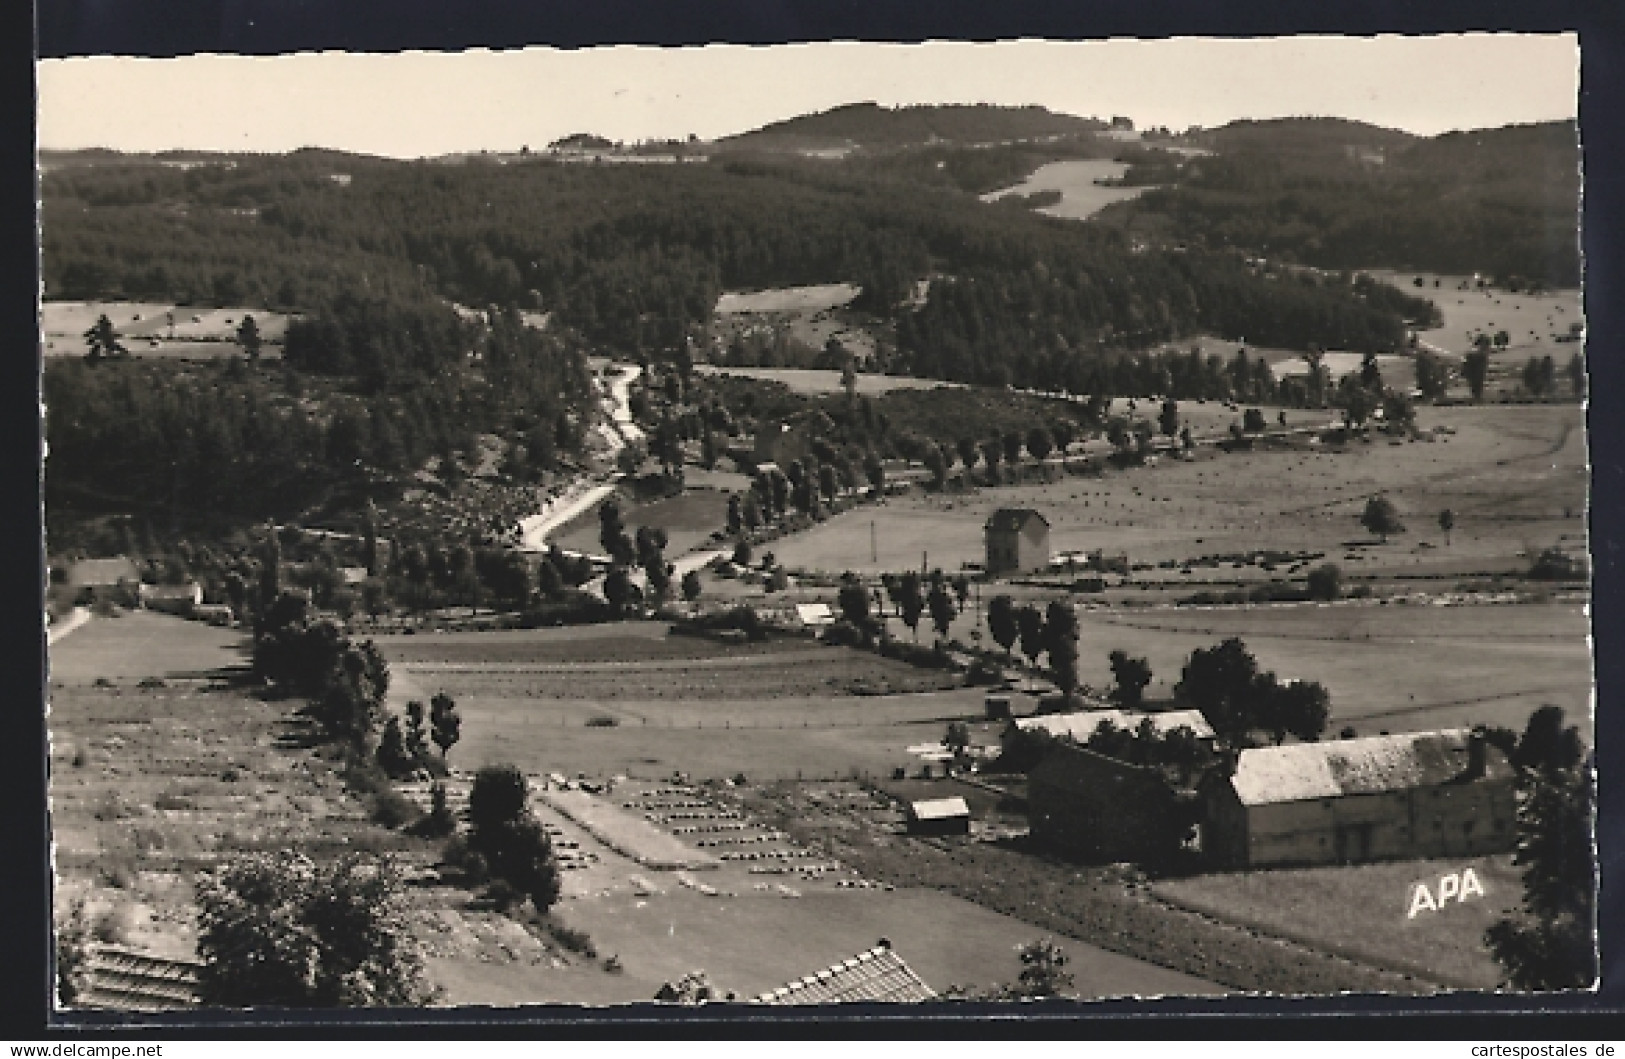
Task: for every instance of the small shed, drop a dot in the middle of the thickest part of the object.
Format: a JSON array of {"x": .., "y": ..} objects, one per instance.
[
  {"x": 814, "y": 615},
  {"x": 1017, "y": 541},
  {"x": 938, "y": 816}
]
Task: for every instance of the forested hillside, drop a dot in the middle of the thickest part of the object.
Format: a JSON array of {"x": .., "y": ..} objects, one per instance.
[
  {"x": 633, "y": 258},
  {"x": 873, "y": 126},
  {"x": 1339, "y": 195}
]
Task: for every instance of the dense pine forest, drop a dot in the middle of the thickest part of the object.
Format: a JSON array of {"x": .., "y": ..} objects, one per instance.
[{"x": 1339, "y": 195}]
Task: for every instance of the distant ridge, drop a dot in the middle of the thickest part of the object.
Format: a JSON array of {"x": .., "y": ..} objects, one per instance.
[{"x": 869, "y": 125}]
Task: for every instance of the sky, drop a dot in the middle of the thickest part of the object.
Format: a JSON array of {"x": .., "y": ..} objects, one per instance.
[{"x": 418, "y": 104}]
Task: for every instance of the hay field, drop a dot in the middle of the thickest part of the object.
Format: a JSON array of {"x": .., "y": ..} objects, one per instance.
[
  {"x": 1361, "y": 911},
  {"x": 1531, "y": 320},
  {"x": 1081, "y": 197},
  {"x": 1388, "y": 668},
  {"x": 1515, "y": 476}
]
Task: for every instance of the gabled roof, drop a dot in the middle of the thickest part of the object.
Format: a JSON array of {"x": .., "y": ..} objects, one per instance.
[
  {"x": 1013, "y": 519},
  {"x": 1306, "y": 771},
  {"x": 188, "y": 590},
  {"x": 879, "y": 975},
  {"x": 938, "y": 808},
  {"x": 1081, "y": 724},
  {"x": 96, "y": 573},
  {"x": 814, "y": 613}
]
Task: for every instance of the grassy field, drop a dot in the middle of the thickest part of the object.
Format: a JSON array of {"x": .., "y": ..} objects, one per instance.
[
  {"x": 143, "y": 644},
  {"x": 1532, "y": 321},
  {"x": 1081, "y": 196},
  {"x": 1362, "y": 911},
  {"x": 197, "y": 332},
  {"x": 819, "y": 382},
  {"x": 1514, "y": 476},
  {"x": 778, "y": 710}
]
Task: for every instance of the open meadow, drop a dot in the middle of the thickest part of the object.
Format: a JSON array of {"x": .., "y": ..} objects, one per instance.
[
  {"x": 159, "y": 329},
  {"x": 1364, "y": 911},
  {"x": 1077, "y": 181},
  {"x": 1514, "y": 476}
]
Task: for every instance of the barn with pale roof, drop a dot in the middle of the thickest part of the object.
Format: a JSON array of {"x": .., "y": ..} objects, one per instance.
[{"x": 1417, "y": 794}]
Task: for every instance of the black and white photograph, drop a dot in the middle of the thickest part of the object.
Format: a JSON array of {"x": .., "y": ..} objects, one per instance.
[{"x": 942, "y": 523}]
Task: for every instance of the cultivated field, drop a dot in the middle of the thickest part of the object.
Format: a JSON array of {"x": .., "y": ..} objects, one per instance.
[
  {"x": 1081, "y": 196},
  {"x": 150, "y": 784},
  {"x": 642, "y": 703},
  {"x": 159, "y": 329},
  {"x": 1362, "y": 911}
]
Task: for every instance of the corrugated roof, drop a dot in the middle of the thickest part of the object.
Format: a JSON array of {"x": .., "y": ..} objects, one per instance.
[
  {"x": 1081, "y": 724},
  {"x": 1305, "y": 771},
  {"x": 879, "y": 975},
  {"x": 1013, "y": 519},
  {"x": 122, "y": 980},
  {"x": 938, "y": 808}
]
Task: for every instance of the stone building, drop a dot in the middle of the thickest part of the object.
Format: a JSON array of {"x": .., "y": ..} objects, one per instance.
[
  {"x": 1419, "y": 794},
  {"x": 1017, "y": 541}
]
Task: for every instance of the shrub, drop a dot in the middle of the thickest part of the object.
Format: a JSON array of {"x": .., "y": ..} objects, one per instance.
[
  {"x": 571, "y": 940},
  {"x": 438, "y": 820},
  {"x": 394, "y": 810},
  {"x": 112, "y": 927},
  {"x": 278, "y": 929},
  {"x": 503, "y": 894},
  {"x": 362, "y": 774},
  {"x": 1325, "y": 582}
]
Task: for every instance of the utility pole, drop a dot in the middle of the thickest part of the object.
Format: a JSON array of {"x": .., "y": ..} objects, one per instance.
[{"x": 873, "y": 555}]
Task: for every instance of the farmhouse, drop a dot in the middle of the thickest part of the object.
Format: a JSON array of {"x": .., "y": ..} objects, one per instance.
[
  {"x": 1419, "y": 794},
  {"x": 1017, "y": 541},
  {"x": 171, "y": 599},
  {"x": 1088, "y": 805},
  {"x": 1081, "y": 724},
  {"x": 92, "y": 579},
  {"x": 878, "y": 975},
  {"x": 938, "y": 816}
]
